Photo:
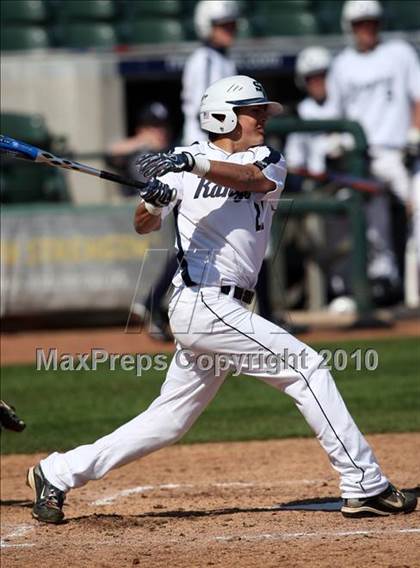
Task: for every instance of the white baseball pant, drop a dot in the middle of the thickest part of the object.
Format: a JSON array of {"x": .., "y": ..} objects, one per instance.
[
  {"x": 206, "y": 321},
  {"x": 387, "y": 164}
]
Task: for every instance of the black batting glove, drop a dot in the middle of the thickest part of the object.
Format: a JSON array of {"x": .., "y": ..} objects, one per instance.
[
  {"x": 155, "y": 165},
  {"x": 157, "y": 193}
]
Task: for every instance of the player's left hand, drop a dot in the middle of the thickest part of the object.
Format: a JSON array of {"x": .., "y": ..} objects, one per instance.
[
  {"x": 159, "y": 164},
  {"x": 157, "y": 193}
]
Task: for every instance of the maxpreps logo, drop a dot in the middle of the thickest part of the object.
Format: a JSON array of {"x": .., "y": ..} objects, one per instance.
[{"x": 208, "y": 189}]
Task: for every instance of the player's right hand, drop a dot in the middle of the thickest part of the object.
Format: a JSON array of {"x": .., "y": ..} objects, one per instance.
[
  {"x": 162, "y": 163},
  {"x": 157, "y": 193}
]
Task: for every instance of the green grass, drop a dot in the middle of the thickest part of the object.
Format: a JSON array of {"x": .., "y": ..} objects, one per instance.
[{"x": 64, "y": 409}]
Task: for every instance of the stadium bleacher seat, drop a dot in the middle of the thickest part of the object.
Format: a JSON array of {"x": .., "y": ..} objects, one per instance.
[
  {"x": 82, "y": 10},
  {"x": 149, "y": 8},
  {"x": 23, "y": 11},
  {"x": 275, "y": 6},
  {"x": 403, "y": 15},
  {"x": 28, "y": 127},
  {"x": 23, "y": 37},
  {"x": 150, "y": 30},
  {"x": 288, "y": 24},
  {"x": 24, "y": 182},
  {"x": 31, "y": 183},
  {"x": 328, "y": 16},
  {"x": 188, "y": 7},
  {"x": 83, "y": 35}
]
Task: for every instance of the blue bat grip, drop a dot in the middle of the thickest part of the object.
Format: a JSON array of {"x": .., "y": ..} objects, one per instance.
[{"x": 24, "y": 150}]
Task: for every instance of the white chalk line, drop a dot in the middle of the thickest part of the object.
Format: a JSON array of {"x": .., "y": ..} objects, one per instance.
[
  {"x": 314, "y": 535},
  {"x": 133, "y": 490},
  {"x": 228, "y": 484},
  {"x": 17, "y": 532},
  {"x": 22, "y": 530}
]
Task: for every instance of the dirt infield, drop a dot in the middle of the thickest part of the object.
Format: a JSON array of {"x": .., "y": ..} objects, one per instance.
[
  {"x": 20, "y": 347},
  {"x": 244, "y": 505},
  {"x": 215, "y": 505}
]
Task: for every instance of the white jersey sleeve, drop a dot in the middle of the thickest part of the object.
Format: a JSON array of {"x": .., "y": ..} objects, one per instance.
[
  {"x": 296, "y": 150},
  {"x": 413, "y": 74},
  {"x": 272, "y": 165},
  {"x": 335, "y": 97}
]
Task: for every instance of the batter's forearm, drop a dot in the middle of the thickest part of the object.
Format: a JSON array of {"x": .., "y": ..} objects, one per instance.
[
  {"x": 239, "y": 177},
  {"x": 144, "y": 222}
]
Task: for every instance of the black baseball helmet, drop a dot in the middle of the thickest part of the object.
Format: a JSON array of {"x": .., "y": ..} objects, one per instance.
[{"x": 153, "y": 114}]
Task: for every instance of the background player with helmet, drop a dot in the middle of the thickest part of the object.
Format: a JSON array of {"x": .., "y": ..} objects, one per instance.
[
  {"x": 310, "y": 151},
  {"x": 226, "y": 194},
  {"x": 215, "y": 24},
  {"x": 152, "y": 133},
  {"x": 377, "y": 83}
]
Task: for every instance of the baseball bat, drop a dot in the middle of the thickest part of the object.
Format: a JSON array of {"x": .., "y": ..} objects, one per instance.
[
  {"x": 26, "y": 151},
  {"x": 354, "y": 182}
]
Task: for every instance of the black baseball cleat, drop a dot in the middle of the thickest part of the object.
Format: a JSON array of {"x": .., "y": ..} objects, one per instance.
[
  {"x": 49, "y": 500},
  {"x": 9, "y": 419},
  {"x": 390, "y": 502}
]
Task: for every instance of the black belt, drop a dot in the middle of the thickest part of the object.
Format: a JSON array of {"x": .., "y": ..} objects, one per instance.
[{"x": 239, "y": 293}]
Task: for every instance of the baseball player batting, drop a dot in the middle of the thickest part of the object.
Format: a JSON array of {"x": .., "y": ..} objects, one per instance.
[{"x": 227, "y": 191}]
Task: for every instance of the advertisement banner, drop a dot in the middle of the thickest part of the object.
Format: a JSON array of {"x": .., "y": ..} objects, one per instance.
[{"x": 60, "y": 257}]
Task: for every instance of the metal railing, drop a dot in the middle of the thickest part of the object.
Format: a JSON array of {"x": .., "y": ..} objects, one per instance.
[{"x": 352, "y": 206}]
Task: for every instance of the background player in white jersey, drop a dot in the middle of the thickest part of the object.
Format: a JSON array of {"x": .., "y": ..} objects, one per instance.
[
  {"x": 377, "y": 83},
  {"x": 215, "y": 24},
  {"x": 226, "y": 191},
  {"x": 309, "y": 151}
]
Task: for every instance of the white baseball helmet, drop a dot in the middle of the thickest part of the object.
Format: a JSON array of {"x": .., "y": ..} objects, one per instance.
[
  {"x": 357, "y": 10},
  {"x": 219, "y": 100},
  {"x": 210, "y": 12},
  {"x": 310, "y": 61}
]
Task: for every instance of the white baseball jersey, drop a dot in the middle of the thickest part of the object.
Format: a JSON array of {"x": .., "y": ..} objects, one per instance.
[
  {"x": 309, "y": 150},
  {"x": 222, "y": 234},
  {"x": 205, "y": 66},
  {"x": 377, "y": 89}
]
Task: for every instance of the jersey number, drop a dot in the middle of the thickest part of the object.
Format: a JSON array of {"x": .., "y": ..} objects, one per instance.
[{"x": 259, "y": 208}]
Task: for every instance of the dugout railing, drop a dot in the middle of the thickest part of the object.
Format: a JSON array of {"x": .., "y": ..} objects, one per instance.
[{"x": 299, "y": 205}]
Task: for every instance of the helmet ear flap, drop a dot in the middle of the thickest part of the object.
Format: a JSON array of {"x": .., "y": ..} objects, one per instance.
[{"x": 218, "y": 122}]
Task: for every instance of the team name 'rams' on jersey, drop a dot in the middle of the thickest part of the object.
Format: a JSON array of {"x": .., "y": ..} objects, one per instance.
[{"x": 222, "y": 234}]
